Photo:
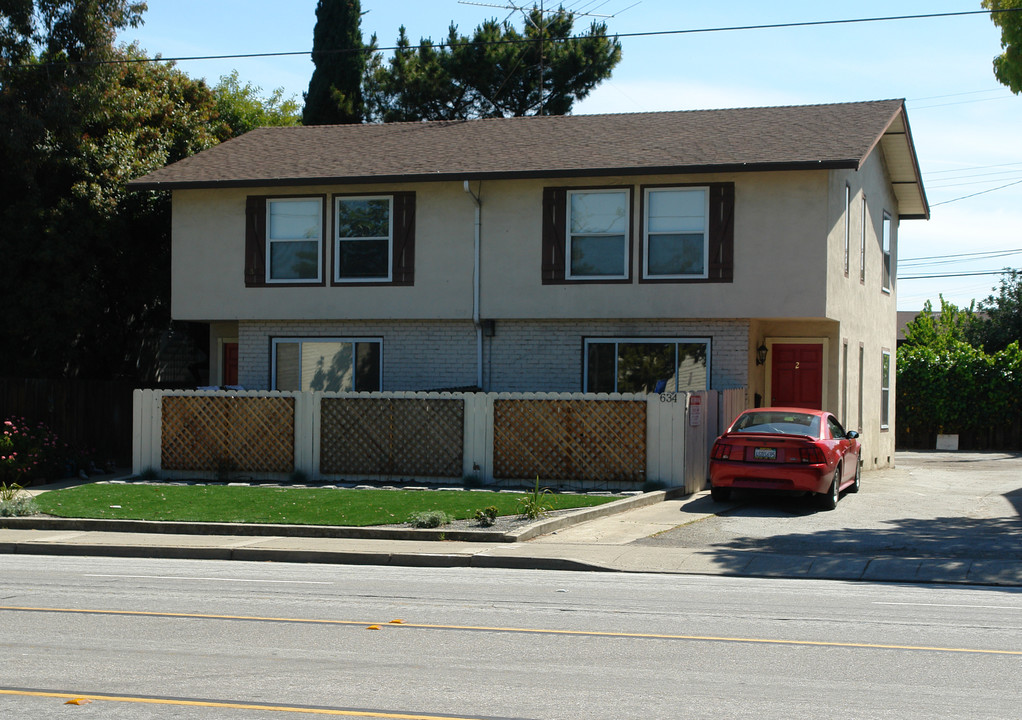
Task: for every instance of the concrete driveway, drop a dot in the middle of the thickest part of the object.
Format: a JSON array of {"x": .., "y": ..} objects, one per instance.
[{"x": 931, "y": 505}]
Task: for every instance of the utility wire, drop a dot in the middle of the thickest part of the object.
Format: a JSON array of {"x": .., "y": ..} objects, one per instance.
[
  {"x": 652, "y": 33},
  {"x": 964, "y": 274},
  {"x": 966, "y": 197},
  {"x": 960, "y": 255}
]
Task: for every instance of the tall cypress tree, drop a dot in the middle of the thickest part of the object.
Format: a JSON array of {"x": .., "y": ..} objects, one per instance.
[{"x": 335, "y": 90}]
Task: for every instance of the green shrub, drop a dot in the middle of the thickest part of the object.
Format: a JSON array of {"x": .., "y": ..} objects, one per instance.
[
  {"x": 534, "y": 505},
  {"x": 487, "y": 516},
  {"x": 14, "y": 501},
  {"x": 429, "y": 519}
]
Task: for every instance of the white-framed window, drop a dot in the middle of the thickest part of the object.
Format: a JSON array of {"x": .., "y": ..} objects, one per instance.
[
  {"x": 848, "y": 224},
  {"x": 650, "y": 365},
  {"x": 597, "y": 234},
  {"x": 676, "y": 232},
  {"x": 862, "y": 241},
  {"x": 885, "y": 389},
  {"x": 294, "y": 240},
  {"x": 886, "y": 246},
  {"x": 327, "y": 364},
  {"x": 363, "y": 238}
]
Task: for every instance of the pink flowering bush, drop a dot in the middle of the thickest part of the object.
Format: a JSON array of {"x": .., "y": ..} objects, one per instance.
[{"x": 31, "y": 452}]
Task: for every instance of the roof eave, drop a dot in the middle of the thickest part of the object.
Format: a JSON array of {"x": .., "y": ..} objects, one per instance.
[
  {"x": 902, "y": 147},
  {"x": 142, "y": 184}
]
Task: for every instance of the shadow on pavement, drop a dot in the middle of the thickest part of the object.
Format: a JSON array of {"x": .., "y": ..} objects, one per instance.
[{"x": 943, "y": 538}]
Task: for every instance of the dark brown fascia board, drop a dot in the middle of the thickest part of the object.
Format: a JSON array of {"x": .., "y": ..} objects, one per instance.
[{"x": 502, "y": 175}]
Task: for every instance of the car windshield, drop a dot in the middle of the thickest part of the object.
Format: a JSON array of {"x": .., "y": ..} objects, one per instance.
[{"x": 779, "y": 423}]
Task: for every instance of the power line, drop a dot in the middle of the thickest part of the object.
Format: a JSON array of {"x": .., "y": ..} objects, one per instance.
[
  {"x": 935, "y": 276},
  {"x": 984, "y": 192},
  {"x": 970, "y": 168},
  {"x": 652, "y": 33},
  {"x": 985, "y": 253}
]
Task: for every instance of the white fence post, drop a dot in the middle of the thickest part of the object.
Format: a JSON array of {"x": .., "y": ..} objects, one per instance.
[
  {"x": 146, "y": 450},
  {"x": 665, "y": 438},
  {"x": 306, "y": 432},
  {"x": 478, "y": 426}
]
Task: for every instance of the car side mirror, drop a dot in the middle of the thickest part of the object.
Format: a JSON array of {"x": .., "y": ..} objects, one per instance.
[{"x": 851, "y": 434}]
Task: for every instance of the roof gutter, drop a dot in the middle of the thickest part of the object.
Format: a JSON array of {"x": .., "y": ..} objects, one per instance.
[{"x": 142, "y": 184}]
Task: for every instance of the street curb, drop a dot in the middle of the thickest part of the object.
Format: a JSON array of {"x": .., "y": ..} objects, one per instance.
[{"x": 326, "y": 557}]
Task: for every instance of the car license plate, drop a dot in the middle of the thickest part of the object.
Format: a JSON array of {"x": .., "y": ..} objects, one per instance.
[{"x": 765, "y": 453}]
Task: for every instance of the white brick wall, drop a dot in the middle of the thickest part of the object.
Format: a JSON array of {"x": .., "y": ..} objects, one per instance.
[{"x": 523, "y": 355}]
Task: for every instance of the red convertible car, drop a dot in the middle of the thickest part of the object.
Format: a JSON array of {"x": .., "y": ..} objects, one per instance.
[{"x": 791, "y": 449}]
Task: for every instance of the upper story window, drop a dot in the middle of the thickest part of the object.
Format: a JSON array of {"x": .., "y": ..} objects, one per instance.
[
  {"x": 364, "y": 234},
  {"x": 373, "y": 240},
  {"x": 886, "y": 244},
  {"x": 848, "y": 224},
  {"x": 862, "y": 241},
  {"x": 676, "y": 232},
  {"x": 687, "y": 234},
  {"x": 597, "y": 234},
  {"x": 294, "y": 240}
]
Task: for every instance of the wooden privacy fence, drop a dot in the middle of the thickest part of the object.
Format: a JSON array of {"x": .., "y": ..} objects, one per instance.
[
  {"x": 578, "y": 440},
  {"x": 93, "y": 416}
]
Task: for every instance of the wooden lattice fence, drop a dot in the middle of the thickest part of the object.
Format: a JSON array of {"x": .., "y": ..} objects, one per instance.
[
  {"x": 214, "y": 433},
  {"x": 572, "y": 440},
  {"x": 392, "y": 436},
  {"x": 567, "y": 439}
]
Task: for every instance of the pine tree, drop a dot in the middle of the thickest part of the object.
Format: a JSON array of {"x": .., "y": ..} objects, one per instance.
[
  {"x": 498, "y": 71},
  {"x": 335, "y": 90}
]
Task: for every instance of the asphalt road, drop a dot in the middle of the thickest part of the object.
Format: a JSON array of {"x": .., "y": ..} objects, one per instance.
[
  {"x": 192, "y": 639},
  {"x": 944, "y": 505}
]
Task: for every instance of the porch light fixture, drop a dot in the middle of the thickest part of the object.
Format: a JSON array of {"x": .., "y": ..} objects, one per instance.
[{"x": 761, "y": 353}]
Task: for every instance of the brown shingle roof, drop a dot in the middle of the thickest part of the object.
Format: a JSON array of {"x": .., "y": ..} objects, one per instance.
[{"x": 817, "y": 136}]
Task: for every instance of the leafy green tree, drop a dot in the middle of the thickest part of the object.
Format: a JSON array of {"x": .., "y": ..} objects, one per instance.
[
  {"x": 1000, "y": 321},
  {"x": 951, "y": 326},
  {"x": 335, "y": 89},
  {"x": 86, "y": 275},
  {"x": 1008, "y": 65},
  {"x": 497, "y": 72},
  {"x": 241, "y": 107}
]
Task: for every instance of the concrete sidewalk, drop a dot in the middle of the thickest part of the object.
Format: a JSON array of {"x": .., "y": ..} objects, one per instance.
[{"x": 579, "y": 542}]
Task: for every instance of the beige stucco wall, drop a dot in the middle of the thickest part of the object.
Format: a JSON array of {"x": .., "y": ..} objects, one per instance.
[
  {"x": 780, "y": 231},
  {"x": 858, "y": 314},
  {"x": 208, "y": 262}
]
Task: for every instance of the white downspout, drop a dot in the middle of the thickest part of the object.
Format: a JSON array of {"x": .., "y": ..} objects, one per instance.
[{"x": 475, "y": 286}]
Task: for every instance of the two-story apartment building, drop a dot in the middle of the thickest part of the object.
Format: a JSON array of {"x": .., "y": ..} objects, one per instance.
[{"x": 603, "y": 253}]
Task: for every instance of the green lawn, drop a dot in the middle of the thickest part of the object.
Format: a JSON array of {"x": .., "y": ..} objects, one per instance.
[{"x": 299, "y": 506}]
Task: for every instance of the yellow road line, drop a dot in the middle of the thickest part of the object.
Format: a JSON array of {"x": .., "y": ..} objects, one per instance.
[
  {"x": 230, "y": 705},
  {"x": 533, "y": 631}
]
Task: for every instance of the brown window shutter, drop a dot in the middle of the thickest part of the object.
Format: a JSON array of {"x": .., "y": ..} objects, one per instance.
[
  {"x": 722, "y": 232},
  {"x": 554, "y": 227},
  {"x": 255, "y": 241},
  {"x": 404, "y": 238}
]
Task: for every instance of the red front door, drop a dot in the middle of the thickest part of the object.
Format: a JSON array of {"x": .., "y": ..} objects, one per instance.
[
  {"x": 229, "y": 371},
  {"x": 796, "y": 379}
]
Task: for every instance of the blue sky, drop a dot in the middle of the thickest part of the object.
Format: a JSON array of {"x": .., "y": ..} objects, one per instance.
[{"x": 965, "y": 125}]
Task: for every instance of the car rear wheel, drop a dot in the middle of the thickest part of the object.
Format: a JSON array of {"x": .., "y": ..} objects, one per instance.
[
  {"x": 828, "y": 500},
  {"x": 720, "y": 494},
  {"x": 858, "y": 482}
]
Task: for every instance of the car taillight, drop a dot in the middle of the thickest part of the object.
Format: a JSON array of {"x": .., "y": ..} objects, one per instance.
[
  {"x": 721, "y": 451},
  {"x": 811, "y": 455}
]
